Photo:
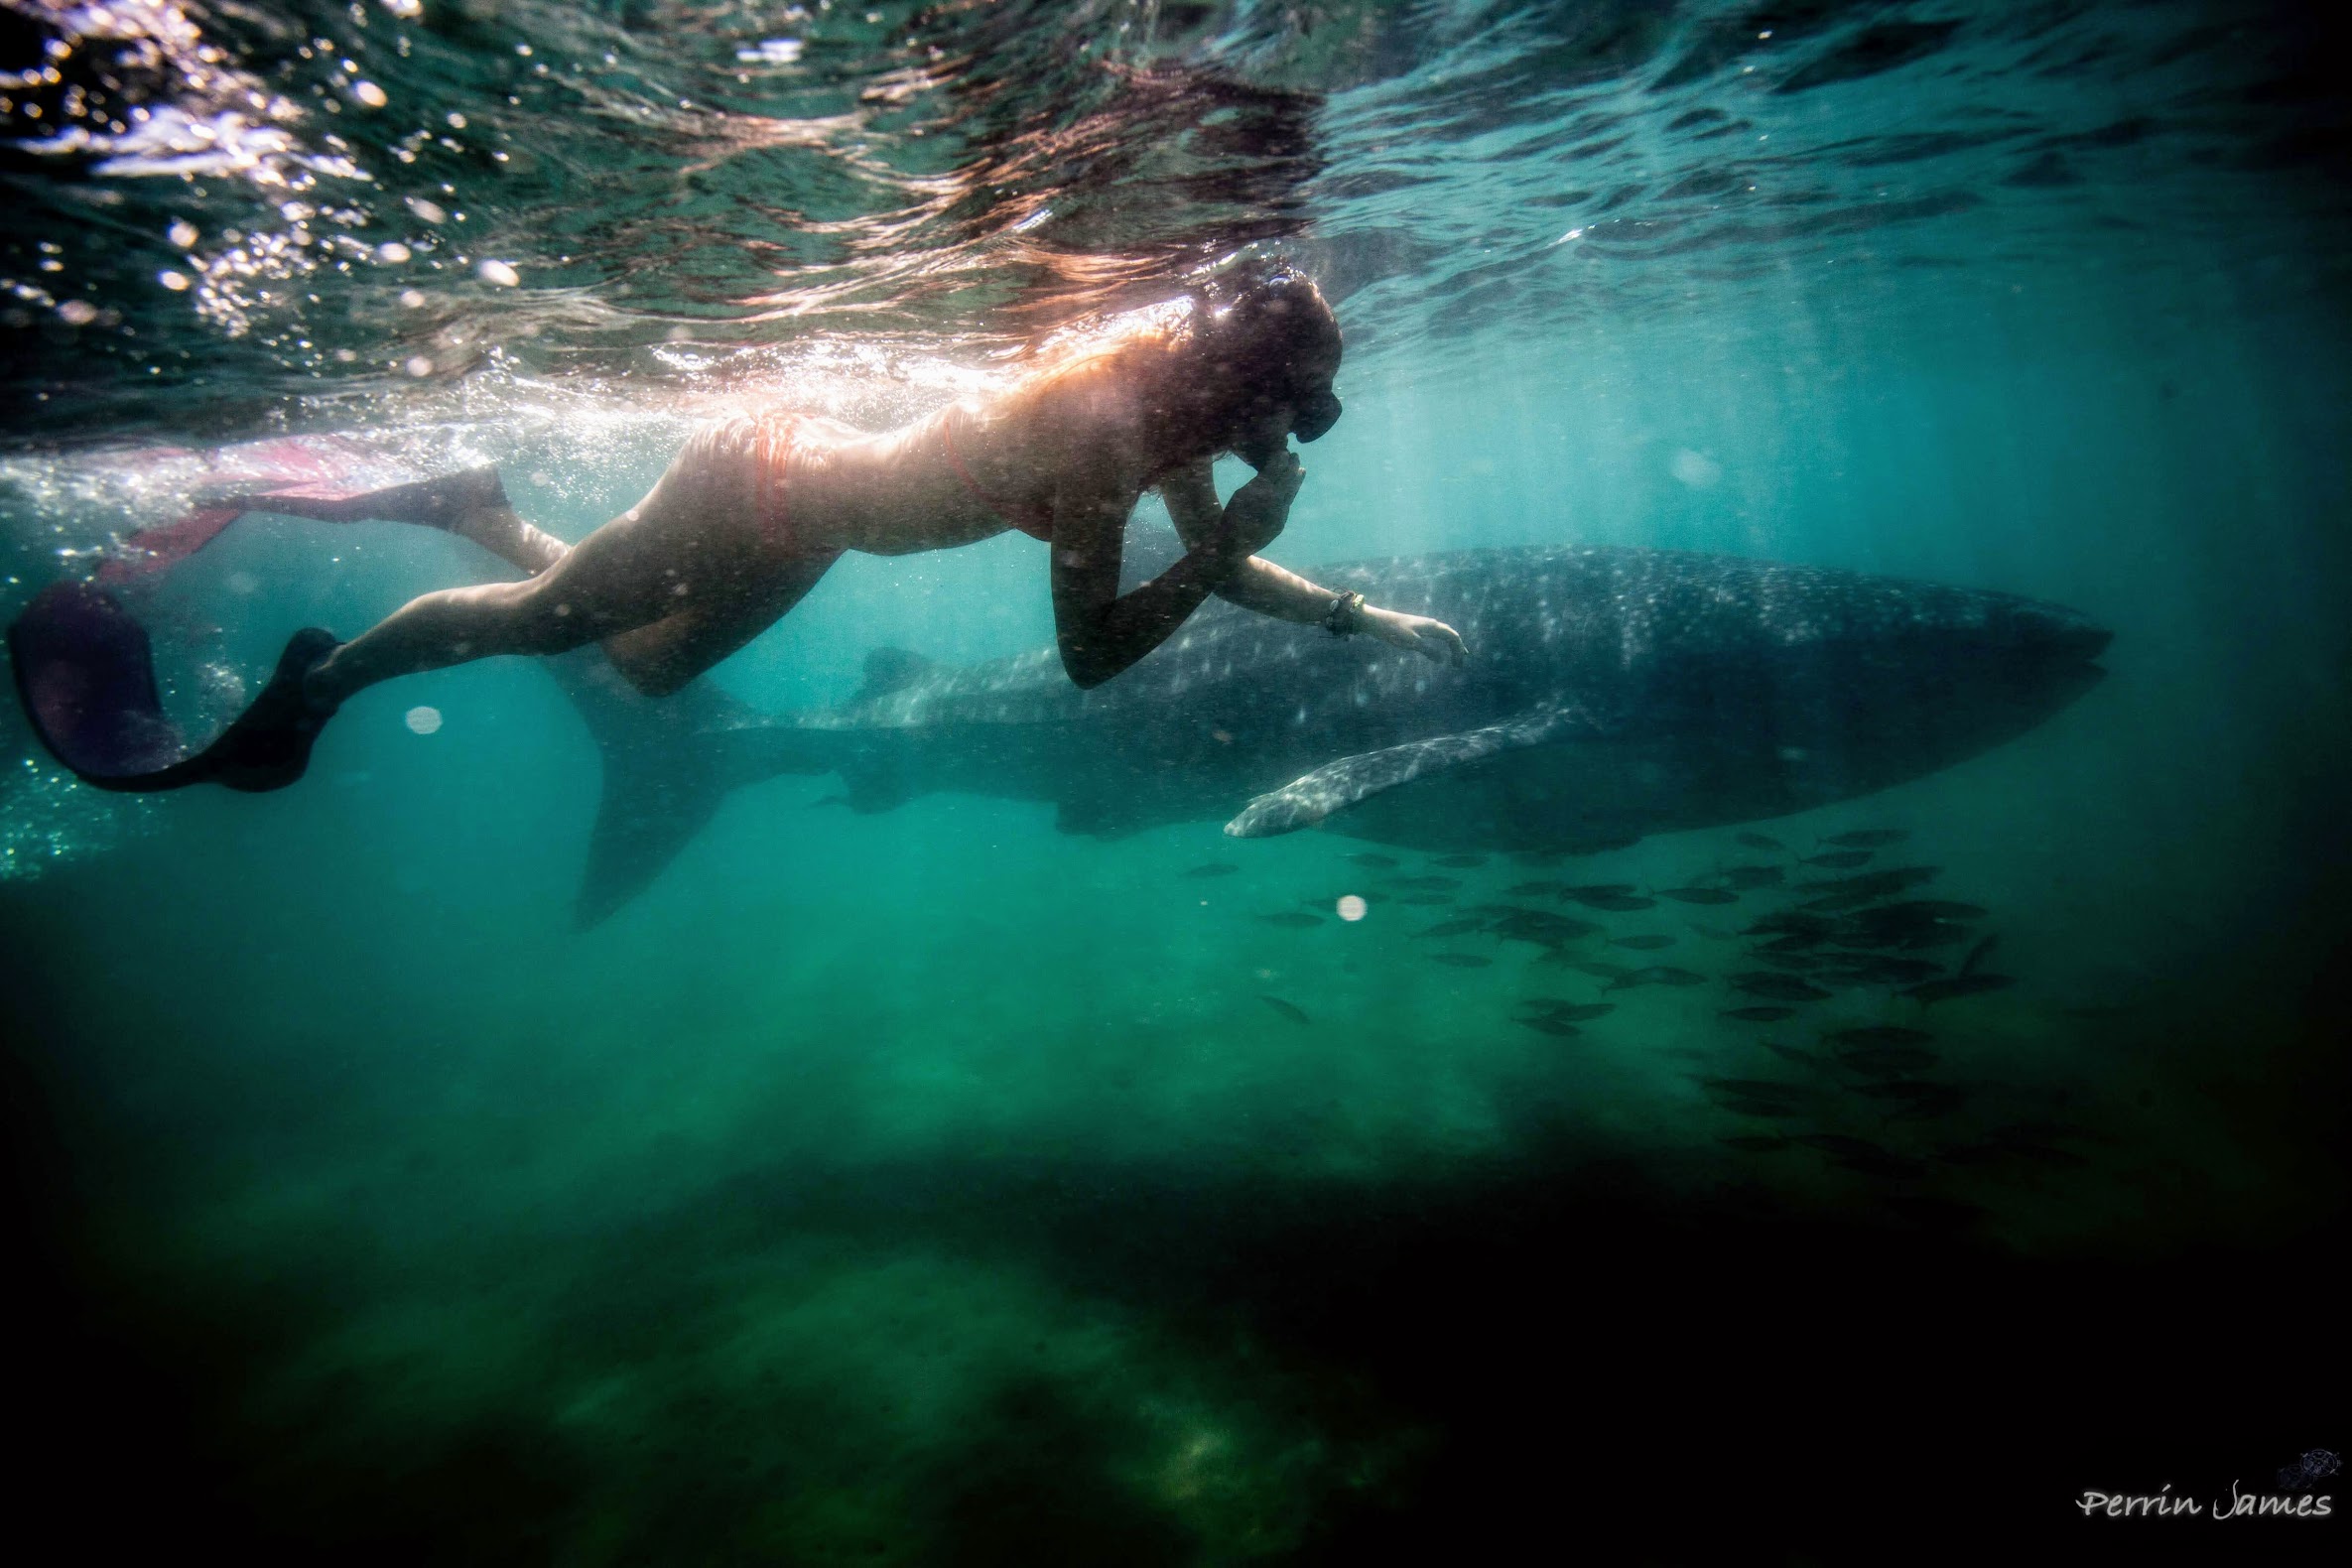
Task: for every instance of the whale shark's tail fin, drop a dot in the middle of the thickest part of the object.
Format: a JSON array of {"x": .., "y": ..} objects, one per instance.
[{"x": 669, "y": 763}]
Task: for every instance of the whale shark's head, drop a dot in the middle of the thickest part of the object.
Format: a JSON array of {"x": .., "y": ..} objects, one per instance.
[{"x": 1875, "y": 681}]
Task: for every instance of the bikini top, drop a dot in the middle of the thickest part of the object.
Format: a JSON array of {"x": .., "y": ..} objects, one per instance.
[{"x": 1038, "y": 524}]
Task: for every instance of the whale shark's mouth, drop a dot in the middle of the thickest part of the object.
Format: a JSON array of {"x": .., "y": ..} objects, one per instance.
[{"x": 2082, "y": 644}]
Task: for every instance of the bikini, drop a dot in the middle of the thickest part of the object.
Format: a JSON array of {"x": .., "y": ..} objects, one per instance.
[
  {"x": 1040, "y": 522},
  {"x": 773, "y": 454}
]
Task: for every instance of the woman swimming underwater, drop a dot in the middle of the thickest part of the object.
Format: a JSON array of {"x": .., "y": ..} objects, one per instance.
[{"x": 754, "y": 509}]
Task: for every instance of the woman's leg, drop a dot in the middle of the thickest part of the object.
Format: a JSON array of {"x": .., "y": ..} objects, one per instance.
[
  {"x": 692, "y": 547},
  {"x": 608, "y": 583},
  {"x": 660, "y": 658}
]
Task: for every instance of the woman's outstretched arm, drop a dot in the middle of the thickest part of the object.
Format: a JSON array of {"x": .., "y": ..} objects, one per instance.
[{"x": 1260, "y": 586}]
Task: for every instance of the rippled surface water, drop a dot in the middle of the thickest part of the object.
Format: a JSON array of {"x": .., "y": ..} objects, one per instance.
[
  {"x": 931, "y": 1185},
  {"x": 299, "y": 208}
]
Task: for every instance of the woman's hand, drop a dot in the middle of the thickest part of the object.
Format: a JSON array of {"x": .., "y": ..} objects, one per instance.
[
  {"x": 1432, "y": 639},
  {"x": 1253, "y": 518}
]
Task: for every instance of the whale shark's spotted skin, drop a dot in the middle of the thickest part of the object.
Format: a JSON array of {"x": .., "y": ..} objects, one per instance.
[{"x": 1634, "y": 690}]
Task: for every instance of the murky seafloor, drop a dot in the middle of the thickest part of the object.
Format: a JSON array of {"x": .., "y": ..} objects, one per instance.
[{"x": 951, "y": 1173}]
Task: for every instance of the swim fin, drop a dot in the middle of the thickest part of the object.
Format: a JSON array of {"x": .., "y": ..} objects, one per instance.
[{"x": 85, "y": 672}]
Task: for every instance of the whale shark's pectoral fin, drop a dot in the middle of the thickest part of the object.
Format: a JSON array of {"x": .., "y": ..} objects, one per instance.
[{"x": 1304, "y": 802}]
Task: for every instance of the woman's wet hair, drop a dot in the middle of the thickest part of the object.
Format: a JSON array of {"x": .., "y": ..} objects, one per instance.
[
  {"x": 1259, "y": 334},
  {"x": 1264, "y": 331}
]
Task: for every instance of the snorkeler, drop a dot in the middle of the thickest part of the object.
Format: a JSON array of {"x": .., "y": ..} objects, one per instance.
[{"x": 753, "y": 511}]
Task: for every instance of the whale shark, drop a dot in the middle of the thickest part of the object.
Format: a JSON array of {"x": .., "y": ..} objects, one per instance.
[{"x": 1612, "y": 694}]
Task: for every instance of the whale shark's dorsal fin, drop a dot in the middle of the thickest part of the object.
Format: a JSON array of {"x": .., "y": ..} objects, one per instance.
[
  {"x": 889, "y": 670},
  {"x": 1335, "y": 786}
]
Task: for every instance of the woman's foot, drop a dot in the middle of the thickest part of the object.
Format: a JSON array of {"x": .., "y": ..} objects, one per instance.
[{"x": 268, "y": 746}]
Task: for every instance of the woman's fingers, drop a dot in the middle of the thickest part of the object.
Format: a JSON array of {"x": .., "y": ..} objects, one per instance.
[{"x": 1434, "y": 640}]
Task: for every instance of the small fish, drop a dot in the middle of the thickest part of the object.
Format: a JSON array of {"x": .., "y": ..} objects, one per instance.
[
  {"x": 1378, "y": 863},
  {"x": 1454, "y": 928},
  {"x": 1776, "y": 987},
  {"x": 1793, "y": 963},
  {"x": 1600, "y": 890},
  {"x": 1699, "y": 895},
  {"x": 1656, "y": 975},
  {"x": 1289, "y": 1011},
  {"x": 1881, "y": 969},
  {"x": 1752, "y": 876},
  {"x": 1552, "y": 1026},
  {"x": 1880, "y": 1034},
  {"x": 1839, "y": 860},
  {"x": 1535, "y": 889},
  {"x": 1295, "y": 919},
  {"x": 1537, "y": 925},
  {"x": 1789, "y": 1052},
  {"x": 1460, "y": 861},
  {"x": 1753, "y": 1143},
  {"x": 1427, "y": 900},
  {"x": 1876, "y": 884},
  {"x": 1575, "y": 1011},
  {"x": 1643, "y": 944},
  {"x": 1868, "y": 838},
  {"x": 1790, "y": 923},
  {"x": 1760, "y": 1014},
  {"x": 1617, "y": 903},
  {"x": 1916, "y": 910},
  {"x": 1599, "y": 969},
  {"x": 1790, "y": 944},
  {"x": 1426, "y": 883},
  {"x": 1758, "y": 840},
  {"x": 1888, "y": 1059},
  {"x": 1976, "y": 955},
  {"x": 1214, "y": 868},
  {"x": 1460, "y": 961},
  {"x": 1935, "y": 1099},
  {"x": 1932, "y": 991}
]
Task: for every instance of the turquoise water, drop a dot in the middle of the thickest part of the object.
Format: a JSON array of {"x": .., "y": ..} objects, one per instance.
[{"x": 934, "y": 1186}]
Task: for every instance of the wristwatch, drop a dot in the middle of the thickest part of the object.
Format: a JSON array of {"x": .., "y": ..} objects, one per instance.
[{"x": 1345, "y": 618}]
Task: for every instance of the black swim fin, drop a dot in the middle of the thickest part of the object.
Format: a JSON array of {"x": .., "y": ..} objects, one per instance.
[{"x": 85, "y": 672}]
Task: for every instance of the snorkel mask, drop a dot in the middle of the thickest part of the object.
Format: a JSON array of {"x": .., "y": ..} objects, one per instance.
[{"x": 1318, "y": 411}]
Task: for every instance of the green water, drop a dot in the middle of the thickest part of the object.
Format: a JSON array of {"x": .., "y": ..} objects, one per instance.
[{"x": 933, "y": 1187}]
